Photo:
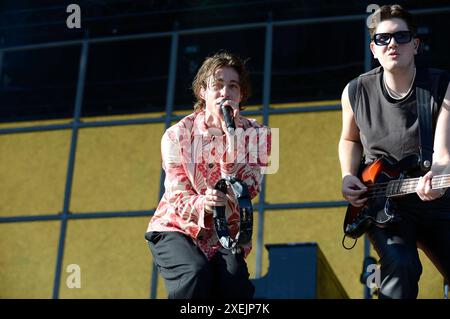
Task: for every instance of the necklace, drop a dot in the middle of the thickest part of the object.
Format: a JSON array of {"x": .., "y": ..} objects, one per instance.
[{"x": 395, "y": 95}]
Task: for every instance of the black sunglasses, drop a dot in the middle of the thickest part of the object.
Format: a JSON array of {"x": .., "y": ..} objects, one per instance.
[{"x": 401, "y": 37}]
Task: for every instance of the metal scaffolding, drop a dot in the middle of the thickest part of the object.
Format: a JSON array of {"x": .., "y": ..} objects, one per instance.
[{"x": 266, "y": 110}]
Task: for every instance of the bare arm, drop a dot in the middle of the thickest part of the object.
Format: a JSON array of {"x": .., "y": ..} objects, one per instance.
[
  {"x": 350, "y": 148},
  {"x": 350, "y": 152}
]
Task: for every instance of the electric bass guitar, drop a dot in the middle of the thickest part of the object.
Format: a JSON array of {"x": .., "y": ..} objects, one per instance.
[{"x": 385, "y": 179}]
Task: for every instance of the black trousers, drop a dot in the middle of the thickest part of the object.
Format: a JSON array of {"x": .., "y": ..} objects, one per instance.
[
  {"x": 188, "y": 274},
  {"x": 422, "y": 224}
]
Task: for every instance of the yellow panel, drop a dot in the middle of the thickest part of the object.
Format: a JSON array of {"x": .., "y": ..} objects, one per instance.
[
  {"x": 35, "y": 123},
  {"x": 113, "y": 256},
  {"x": 33, "y": 169},
  {"x": 122, "y": 117},
  {"x": 305, "y": 104},
  {"x": 161, "y": 292},
  {"x": 309, "y": 165},
  {"x": 117, "y": 168},
  {"x": 323, "y": 226},
  {"x": 431, "y": 284},
  {"x": 28, "y": 259},
  {"x": 182, "y": 112}
]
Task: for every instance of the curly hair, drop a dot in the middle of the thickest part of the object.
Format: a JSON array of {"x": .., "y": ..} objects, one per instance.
[{"x": 210, "y": 65}]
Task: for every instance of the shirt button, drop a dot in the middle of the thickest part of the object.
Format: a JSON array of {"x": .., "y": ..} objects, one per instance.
[{"x": 211, "y": 165}]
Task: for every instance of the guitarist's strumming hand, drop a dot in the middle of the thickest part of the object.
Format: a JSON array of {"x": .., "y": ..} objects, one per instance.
[
  {"x": 352, "y": 189},
  {"x": 424, "y": 189}
]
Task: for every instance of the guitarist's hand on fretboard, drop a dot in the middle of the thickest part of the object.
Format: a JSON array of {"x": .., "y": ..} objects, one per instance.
[
  {"x": 353, "y": 189},
  {"x": 424, "y": 189}
]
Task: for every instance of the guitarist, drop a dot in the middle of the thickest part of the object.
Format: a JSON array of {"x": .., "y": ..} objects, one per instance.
[{"x": 379, "y": 118}]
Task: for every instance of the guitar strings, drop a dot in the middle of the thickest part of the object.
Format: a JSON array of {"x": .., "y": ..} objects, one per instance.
[
  {"x": 405, "y": 188},
  {"x": 379, "y": 190},
  {"x": 436, "y": 179},
  {"x": 409, "y": 182}
]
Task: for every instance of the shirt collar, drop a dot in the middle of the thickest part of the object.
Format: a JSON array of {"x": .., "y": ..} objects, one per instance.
[{"x": 200, "y": 127}]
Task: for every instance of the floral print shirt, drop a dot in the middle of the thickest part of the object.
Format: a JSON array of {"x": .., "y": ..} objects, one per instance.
[{"x": 194, "y": 159}]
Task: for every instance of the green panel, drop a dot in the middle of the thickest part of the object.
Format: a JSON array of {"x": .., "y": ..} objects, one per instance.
[
  {"x": 117, "y": 168},
  {"x": 33, "y": 170},
  {"x": 309, "y": 165},
  {"x": 323, "y": 226},
  {"x": 28, "y": 259},
  {"x": 113, "y": 256}
]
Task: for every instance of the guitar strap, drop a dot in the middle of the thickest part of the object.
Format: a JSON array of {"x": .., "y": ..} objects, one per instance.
[{"x": 424, "y": 113}]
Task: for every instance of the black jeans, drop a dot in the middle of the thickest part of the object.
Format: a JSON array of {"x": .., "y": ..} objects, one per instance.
[
  {"x": 188, "y": 274},
  {"x": 422, "y": 224}
]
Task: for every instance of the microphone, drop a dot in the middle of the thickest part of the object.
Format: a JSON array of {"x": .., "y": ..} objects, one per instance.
[{"x": 229, "y": 122}]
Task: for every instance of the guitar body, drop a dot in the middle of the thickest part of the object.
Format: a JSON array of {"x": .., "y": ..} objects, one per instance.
[{"x": 378, "y": 210}]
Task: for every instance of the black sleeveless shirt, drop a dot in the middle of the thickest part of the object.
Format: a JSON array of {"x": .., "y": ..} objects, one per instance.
[{"x": 388, "y": 126}]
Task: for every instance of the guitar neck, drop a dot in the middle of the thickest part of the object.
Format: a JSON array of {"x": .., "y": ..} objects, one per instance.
[{"x": 409, "y": 185}]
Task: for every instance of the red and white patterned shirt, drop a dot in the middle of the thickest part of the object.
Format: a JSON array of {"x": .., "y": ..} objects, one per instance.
[{"x": 193, "y": 159}]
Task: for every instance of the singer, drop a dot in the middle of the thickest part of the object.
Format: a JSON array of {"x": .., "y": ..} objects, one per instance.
[{"x": 196, "y": 153}]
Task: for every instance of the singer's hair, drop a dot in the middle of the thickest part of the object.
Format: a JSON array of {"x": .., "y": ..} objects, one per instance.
[
  {"x": 387, "y": 12},
  {"x": 210, "y": 65}
]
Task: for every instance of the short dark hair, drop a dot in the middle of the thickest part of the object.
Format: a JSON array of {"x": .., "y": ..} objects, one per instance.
[
  {"x": 387, "y": 12},
  {"x": 210, "y": 65}
]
